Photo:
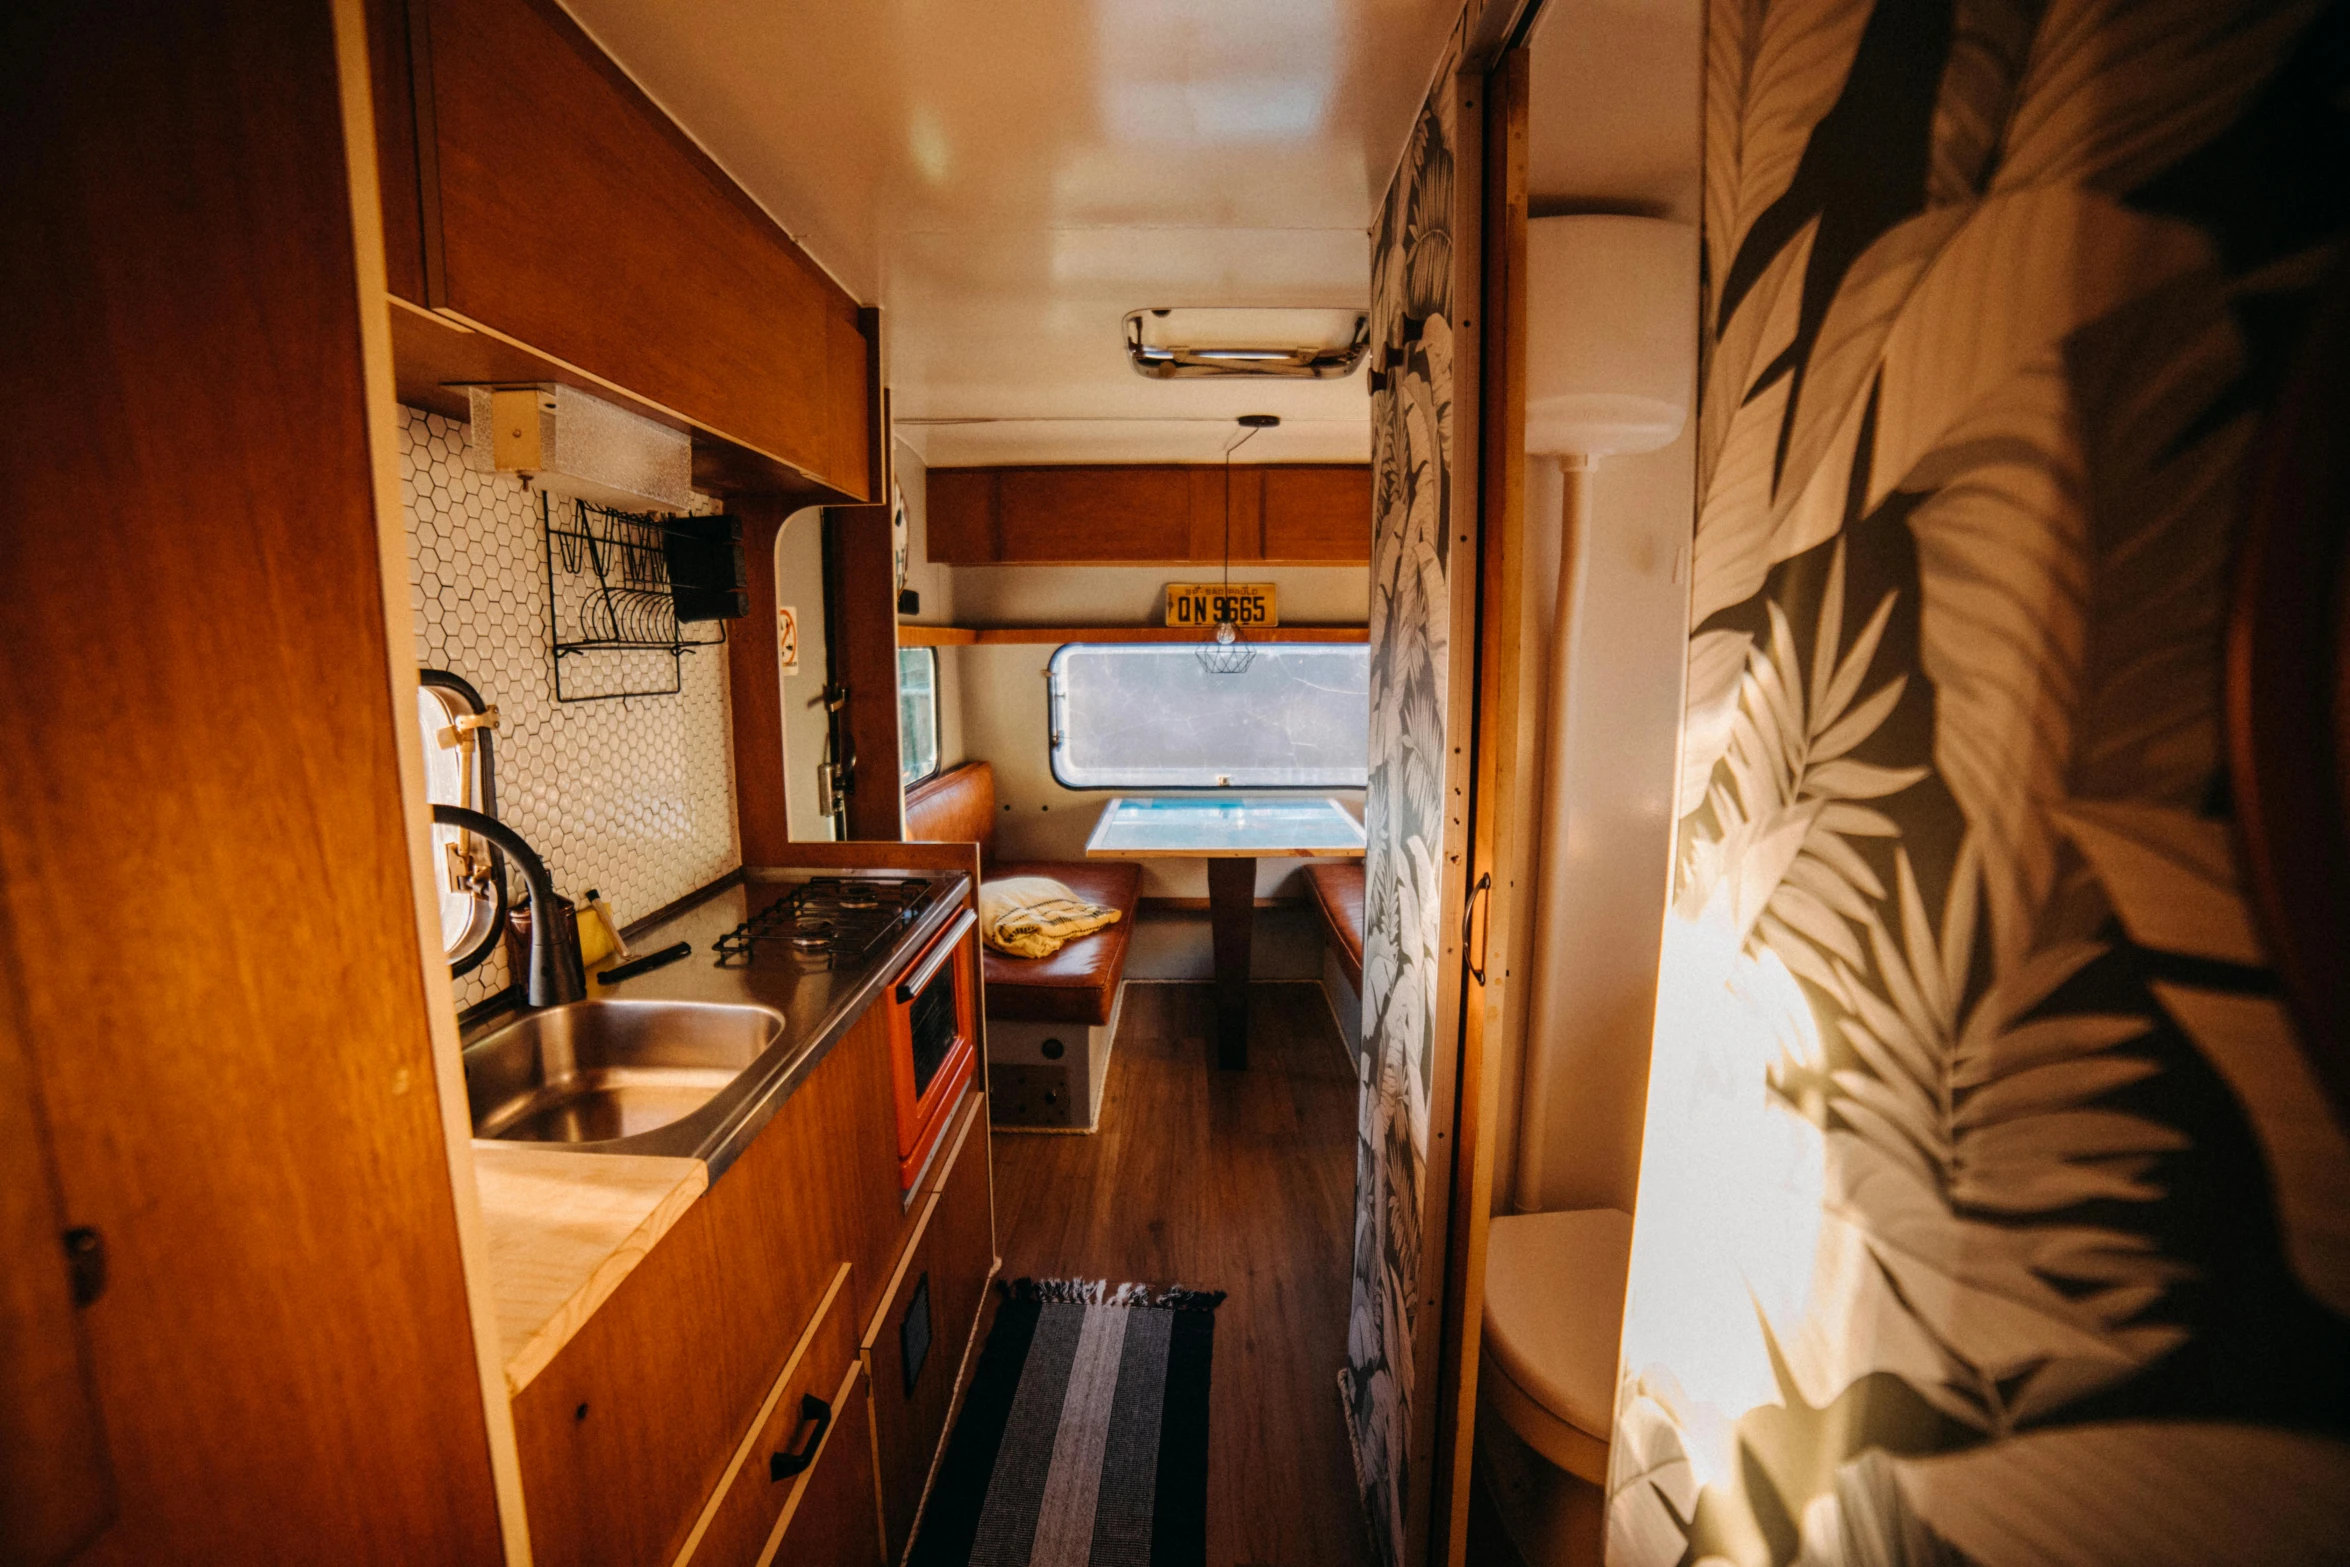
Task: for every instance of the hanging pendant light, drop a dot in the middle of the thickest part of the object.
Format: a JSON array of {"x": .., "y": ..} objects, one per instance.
[{"x": 1228, "y": 654}]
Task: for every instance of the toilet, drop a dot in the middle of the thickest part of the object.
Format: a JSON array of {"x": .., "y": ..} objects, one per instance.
[{"x": 1554, "y": 1311}]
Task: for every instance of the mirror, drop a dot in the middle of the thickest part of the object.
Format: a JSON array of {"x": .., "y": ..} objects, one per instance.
[
  {"x": 807, "y": 728},
  {"x": 460, "y": 768}
]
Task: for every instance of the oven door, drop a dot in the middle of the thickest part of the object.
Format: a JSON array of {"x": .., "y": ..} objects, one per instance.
[{"x": 933, "y": 1041}]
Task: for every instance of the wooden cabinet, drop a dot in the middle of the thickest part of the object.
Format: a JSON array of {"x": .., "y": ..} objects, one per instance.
[
  {"x": 52, "y": 1450},
  {"x": 830, "y": 1522},
  {"x": 1146, "y": 514},
  {"x": 917, "y": 1345},
  {"x": 635, "y": 1422},
  {"x": 531, "y": 189},
  {"x": 650, "y": 1437},
  {"x": 235, "y": 1092},
  {"x": 1319, "y": 514},
  {"x": 806, "y": 1467}
]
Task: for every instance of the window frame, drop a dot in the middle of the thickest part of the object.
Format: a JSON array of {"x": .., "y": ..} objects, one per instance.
[
  {"x": 1052, "y": 747},
  {"x": 937, "y": 738}
]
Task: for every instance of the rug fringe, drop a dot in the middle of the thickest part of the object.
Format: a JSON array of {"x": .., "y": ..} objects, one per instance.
[{"x": 1101, "y": 1292}]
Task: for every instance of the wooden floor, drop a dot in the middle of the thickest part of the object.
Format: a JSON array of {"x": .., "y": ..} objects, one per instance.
[{"x": 1239, "y": 1181}]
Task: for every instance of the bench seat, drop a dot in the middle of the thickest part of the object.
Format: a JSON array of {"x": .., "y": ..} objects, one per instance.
[
  {"x": 1079, "y": 983},
  {"x": 1337, "y": 886}
]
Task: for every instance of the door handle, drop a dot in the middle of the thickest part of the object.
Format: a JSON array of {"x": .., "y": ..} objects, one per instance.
[
  {"x": 815, "y": 1420},
  {"x": 85, "y": 1262},
  {"x": 1483, "y": 889}
]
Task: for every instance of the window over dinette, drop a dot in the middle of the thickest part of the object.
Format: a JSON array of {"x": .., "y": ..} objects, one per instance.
[{"x": 1151, "y": 716}]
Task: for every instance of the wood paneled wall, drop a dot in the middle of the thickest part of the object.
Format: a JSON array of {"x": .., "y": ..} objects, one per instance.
[
  {"x": 207, "y": 924},
  {"x": 1149, "y": 514},
  {"x": 861, "y": 621}
]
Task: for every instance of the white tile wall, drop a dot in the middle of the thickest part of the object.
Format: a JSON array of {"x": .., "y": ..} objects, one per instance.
[{"x": 631, "y": 796}]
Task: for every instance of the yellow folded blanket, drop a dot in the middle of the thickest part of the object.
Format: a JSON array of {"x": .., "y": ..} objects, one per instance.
[{"x": 1036, "y": 916}]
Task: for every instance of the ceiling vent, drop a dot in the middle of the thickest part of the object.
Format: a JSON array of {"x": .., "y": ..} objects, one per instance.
[
  {"x": 569, "y": 442},
  {"x": 1320, "y": 345}
]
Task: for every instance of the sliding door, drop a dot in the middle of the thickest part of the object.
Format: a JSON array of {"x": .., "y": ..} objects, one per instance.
[{"x": 1424, "y": 395}]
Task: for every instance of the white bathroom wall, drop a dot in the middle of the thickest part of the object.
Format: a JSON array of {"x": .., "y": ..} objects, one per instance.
[
  {"x": 1621, "y": 750},
  {"x": 633, "y": 797},
  {"x": 1614, "y": 128}
]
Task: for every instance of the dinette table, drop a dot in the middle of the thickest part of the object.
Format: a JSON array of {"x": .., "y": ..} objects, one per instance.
[{"x": 1230, "y": 832}]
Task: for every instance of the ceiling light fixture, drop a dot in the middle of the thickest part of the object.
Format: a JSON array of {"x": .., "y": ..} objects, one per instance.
[
  {"x": 1228, "y": 655},
  {"x": 1170, "y": 342}
]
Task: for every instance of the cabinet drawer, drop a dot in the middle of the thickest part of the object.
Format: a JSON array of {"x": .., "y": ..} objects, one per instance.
[
  {"x": 799, "y": 1411},
  {"x": 830, "y": 1522},
  {"x": 916, "y": 1345}
]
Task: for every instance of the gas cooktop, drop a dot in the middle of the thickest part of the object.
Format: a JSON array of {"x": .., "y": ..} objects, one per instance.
[{"x": 830, "y": 921}]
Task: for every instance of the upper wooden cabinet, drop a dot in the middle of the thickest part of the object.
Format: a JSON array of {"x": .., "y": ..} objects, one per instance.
[
  {"x": 532, "y": 191},
  {"x": 1146, "y": 514}
]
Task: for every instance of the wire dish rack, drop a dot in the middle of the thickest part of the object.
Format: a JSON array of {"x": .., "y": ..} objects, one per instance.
[{"x": 612, "y": 615}]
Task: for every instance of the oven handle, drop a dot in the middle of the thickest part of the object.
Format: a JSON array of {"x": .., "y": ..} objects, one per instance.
[{"x": 940, "y": 950}]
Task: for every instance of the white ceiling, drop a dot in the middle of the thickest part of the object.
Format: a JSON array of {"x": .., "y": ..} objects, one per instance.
[{"x": 1008, "y": 180}]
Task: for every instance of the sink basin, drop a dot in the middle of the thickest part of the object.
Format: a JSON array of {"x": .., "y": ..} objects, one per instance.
[{"x": 605, "y": 1072}]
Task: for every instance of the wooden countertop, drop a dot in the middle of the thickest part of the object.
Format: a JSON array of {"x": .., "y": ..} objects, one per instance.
[{"x": 564, "y": 1229}]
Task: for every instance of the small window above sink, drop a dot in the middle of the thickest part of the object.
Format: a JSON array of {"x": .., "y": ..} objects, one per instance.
[{"x": 460, "y": 768}]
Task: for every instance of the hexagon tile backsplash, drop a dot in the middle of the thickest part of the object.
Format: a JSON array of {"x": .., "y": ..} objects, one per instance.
[{"x": 632, "y": 796}]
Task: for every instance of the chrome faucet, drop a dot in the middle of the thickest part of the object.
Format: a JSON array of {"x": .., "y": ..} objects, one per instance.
[{"x": 556, "y": 974}]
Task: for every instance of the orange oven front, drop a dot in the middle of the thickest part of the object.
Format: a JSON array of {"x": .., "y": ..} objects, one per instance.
[{"x": 934, "y": 1032}]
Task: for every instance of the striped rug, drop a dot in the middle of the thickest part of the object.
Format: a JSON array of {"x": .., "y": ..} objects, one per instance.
[{"x": 1084, "y": 1439}]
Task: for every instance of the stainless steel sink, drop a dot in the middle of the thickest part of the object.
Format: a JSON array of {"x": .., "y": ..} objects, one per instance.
[{"x": 610, "y": 1072}]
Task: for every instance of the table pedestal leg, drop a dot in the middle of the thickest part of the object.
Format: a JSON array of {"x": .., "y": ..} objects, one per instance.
[{"x": 1232, "y": 911}]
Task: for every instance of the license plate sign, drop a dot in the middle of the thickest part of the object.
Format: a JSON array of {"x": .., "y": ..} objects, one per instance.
[{"x": 1201, "y": 605}]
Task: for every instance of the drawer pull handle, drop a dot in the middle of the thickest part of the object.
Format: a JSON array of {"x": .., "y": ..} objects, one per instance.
[{"x": 815, "y": 1420}]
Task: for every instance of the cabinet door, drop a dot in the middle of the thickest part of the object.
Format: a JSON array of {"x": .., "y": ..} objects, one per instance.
[
  {"x": 918, "y": 1344},
  {"x": 564, "y": 210},
  {"x": 1318, "y": 514},
  {"x": 794, "y": 1425},
  {"x": 1151, "y": 514},
  {"x": 1052, "y": 515},
  {"x": 830, "y": 1522},
  {"x": 236, "y": 1092},
  {"x": 52, "y": 1458}
]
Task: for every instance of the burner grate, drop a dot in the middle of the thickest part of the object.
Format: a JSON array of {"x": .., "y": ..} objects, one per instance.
[{"x": 830, "y": 920}]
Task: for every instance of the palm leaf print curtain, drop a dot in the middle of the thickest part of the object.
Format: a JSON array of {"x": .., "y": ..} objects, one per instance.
[{"x": 1988, "y": 1211}]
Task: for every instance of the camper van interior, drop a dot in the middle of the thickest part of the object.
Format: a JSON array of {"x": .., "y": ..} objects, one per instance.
[{"x": 1275, "y": 783}]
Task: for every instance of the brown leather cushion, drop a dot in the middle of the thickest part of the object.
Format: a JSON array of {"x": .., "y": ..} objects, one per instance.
[
  {"x": 958, "y": 806},
  {"x": 1079, "y": 983},
  {"x": 1337, "y": 886}
]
